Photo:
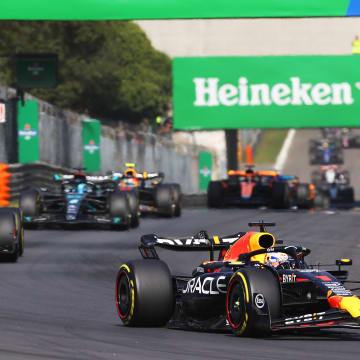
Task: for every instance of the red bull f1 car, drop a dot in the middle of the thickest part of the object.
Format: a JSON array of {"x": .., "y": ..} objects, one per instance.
[
  {"x": 260, "y": 188},
  {"x": 256, "y": 286}
]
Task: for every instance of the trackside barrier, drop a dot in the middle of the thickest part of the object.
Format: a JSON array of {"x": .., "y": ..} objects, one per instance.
[
  {"x": 40, "y": 174},
  {"x": 4, "y": 182}
]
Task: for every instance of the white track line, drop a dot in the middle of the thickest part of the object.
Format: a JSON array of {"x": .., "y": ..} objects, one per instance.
[{"x": 283, "y": 154}]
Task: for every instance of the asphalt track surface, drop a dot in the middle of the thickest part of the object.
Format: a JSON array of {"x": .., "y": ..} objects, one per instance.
[{"x": 57, "y": 302}]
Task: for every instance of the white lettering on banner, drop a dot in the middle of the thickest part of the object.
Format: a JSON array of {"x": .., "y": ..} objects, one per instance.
[
  {"x": 209, "y": 93},
  {"x": 207, "y": 87}
]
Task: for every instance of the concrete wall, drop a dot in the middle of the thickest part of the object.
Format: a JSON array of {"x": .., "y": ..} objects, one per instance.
[{"x": 60, "y": 142}]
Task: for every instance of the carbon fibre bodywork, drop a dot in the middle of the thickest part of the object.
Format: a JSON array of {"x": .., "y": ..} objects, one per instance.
[{"x": 308, "y": 296}]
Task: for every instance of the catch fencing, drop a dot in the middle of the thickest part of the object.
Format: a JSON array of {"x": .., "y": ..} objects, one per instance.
[{"x": 60, "y": 144}]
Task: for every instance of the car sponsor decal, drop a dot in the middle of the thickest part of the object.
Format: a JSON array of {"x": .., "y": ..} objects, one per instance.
[
  {"x": 286, "y": 278},
  {"x": 259, "y": 301},
  {"x": 206, "y": 285},
  {"x": 304, "y": 318}
]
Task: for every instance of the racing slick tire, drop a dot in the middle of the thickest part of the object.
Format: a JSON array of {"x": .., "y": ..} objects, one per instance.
[
  {"x": 253, "y": 300},
  {"x": 322, "y": 201},
  {"x": 303, "y": 196},
  {"x": 119, "y": 208},
  {"x": 19, "y": 216},
  {"x": 30, "y": 203},
  {"x": 9, "y": 227},
  {"x": 133, "y": 198},
  {"x": 215, "y": 194},
  {"x": 144, "y": 293},
  {"x": 178, "y": 199},
  {"x": 280, "y": 197},
  {"x": 348, "y": 195},
  {"x": 165, "y": 199}
]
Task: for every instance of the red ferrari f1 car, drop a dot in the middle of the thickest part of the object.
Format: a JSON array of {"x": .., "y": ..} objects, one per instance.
[{"x": 255, "y": 287}]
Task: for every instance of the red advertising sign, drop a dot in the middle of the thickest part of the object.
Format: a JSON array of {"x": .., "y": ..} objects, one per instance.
[{"x": 2, "y": 113}]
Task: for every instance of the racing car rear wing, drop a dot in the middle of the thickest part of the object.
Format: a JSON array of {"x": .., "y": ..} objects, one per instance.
[
  {"x": 142, "y": 176},
  {"x": 193, "y": 243},
  {"x": 62, "y": 177}
]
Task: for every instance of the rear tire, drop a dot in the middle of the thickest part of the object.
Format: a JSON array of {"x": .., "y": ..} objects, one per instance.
[
  {"x": 215, "y": 194},
  {"x": 303, "y": 196},
  {"x": 280, "y": 198},
  {"x": 322, "y": 201},
  {"x": 249, "y": 291},
  {"x": 30, "y": 203},
  {"x": 178, "y": 199},
  {"x": 165, "y": 200},
  {"x": 349, "y": 195},
  {"x": 119, "y": 208},
  {"x": 144, "y": 293},
  {"x": 133, "y": 198}
]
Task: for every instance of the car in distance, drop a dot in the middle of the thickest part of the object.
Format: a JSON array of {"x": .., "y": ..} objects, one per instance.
[{"x": 255, "y": 287}]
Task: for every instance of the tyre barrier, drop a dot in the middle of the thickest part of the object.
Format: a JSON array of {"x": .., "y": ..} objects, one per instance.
[{"x": 4, "y": 185}]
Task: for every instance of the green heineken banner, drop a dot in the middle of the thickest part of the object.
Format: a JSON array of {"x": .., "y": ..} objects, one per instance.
[
  {"x": 172, "y": 9},
  {"x": 205, "y": 169},
  {"x": 28, "y": 131},
  {"x": 266, "y": 92},
  {"x": 36, "y": 70},
  {"x": 91, "y": 145}
]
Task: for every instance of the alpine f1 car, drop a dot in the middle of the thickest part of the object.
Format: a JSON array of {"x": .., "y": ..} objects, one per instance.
[
  {"x": 269, "y": 188},
  {"x": 78, "y": 199},
  {"x": 11, "y": 233},
  {"x": 255, "y": 287},
  {"x": 325, "y": 152},
  {"x": 149, "y": 191},
  {"x": 334, "y": 182}
]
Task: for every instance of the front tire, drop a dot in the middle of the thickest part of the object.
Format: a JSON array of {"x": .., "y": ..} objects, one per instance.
[
  {"x": 144, "y": 293},
  {"x": 250, "y": 291}
]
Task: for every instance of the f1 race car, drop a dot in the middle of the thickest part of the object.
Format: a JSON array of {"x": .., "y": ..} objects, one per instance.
[
  {"x": 325, "y": 152},
  {"x": 253, "y": 288},
  {"x": 269, "y": 188},
  {"x": 78, "y": 199},
  {"x": 334, "y": 182},
  {"x": 149, "y": 191},
  {"x": 11, "y": 233},
  {"x": 345, "y": 136}
]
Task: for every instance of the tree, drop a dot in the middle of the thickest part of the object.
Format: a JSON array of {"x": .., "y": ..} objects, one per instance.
[{"x": 107, "y": 67}]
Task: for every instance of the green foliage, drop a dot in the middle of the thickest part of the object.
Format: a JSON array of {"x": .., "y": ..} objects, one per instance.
[{"x": 107, "y": 67}]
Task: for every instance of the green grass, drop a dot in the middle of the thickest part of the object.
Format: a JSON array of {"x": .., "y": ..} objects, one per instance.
[{"x": 270, "y": 146}]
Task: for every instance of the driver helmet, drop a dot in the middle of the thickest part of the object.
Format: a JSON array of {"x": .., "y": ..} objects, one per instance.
[
  {"x": 277, "y": 259},
  {"x": 325, "y": 144}
]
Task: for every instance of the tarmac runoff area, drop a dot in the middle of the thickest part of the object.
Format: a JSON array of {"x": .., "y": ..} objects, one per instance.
[{"x": 58, "y": 303}]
